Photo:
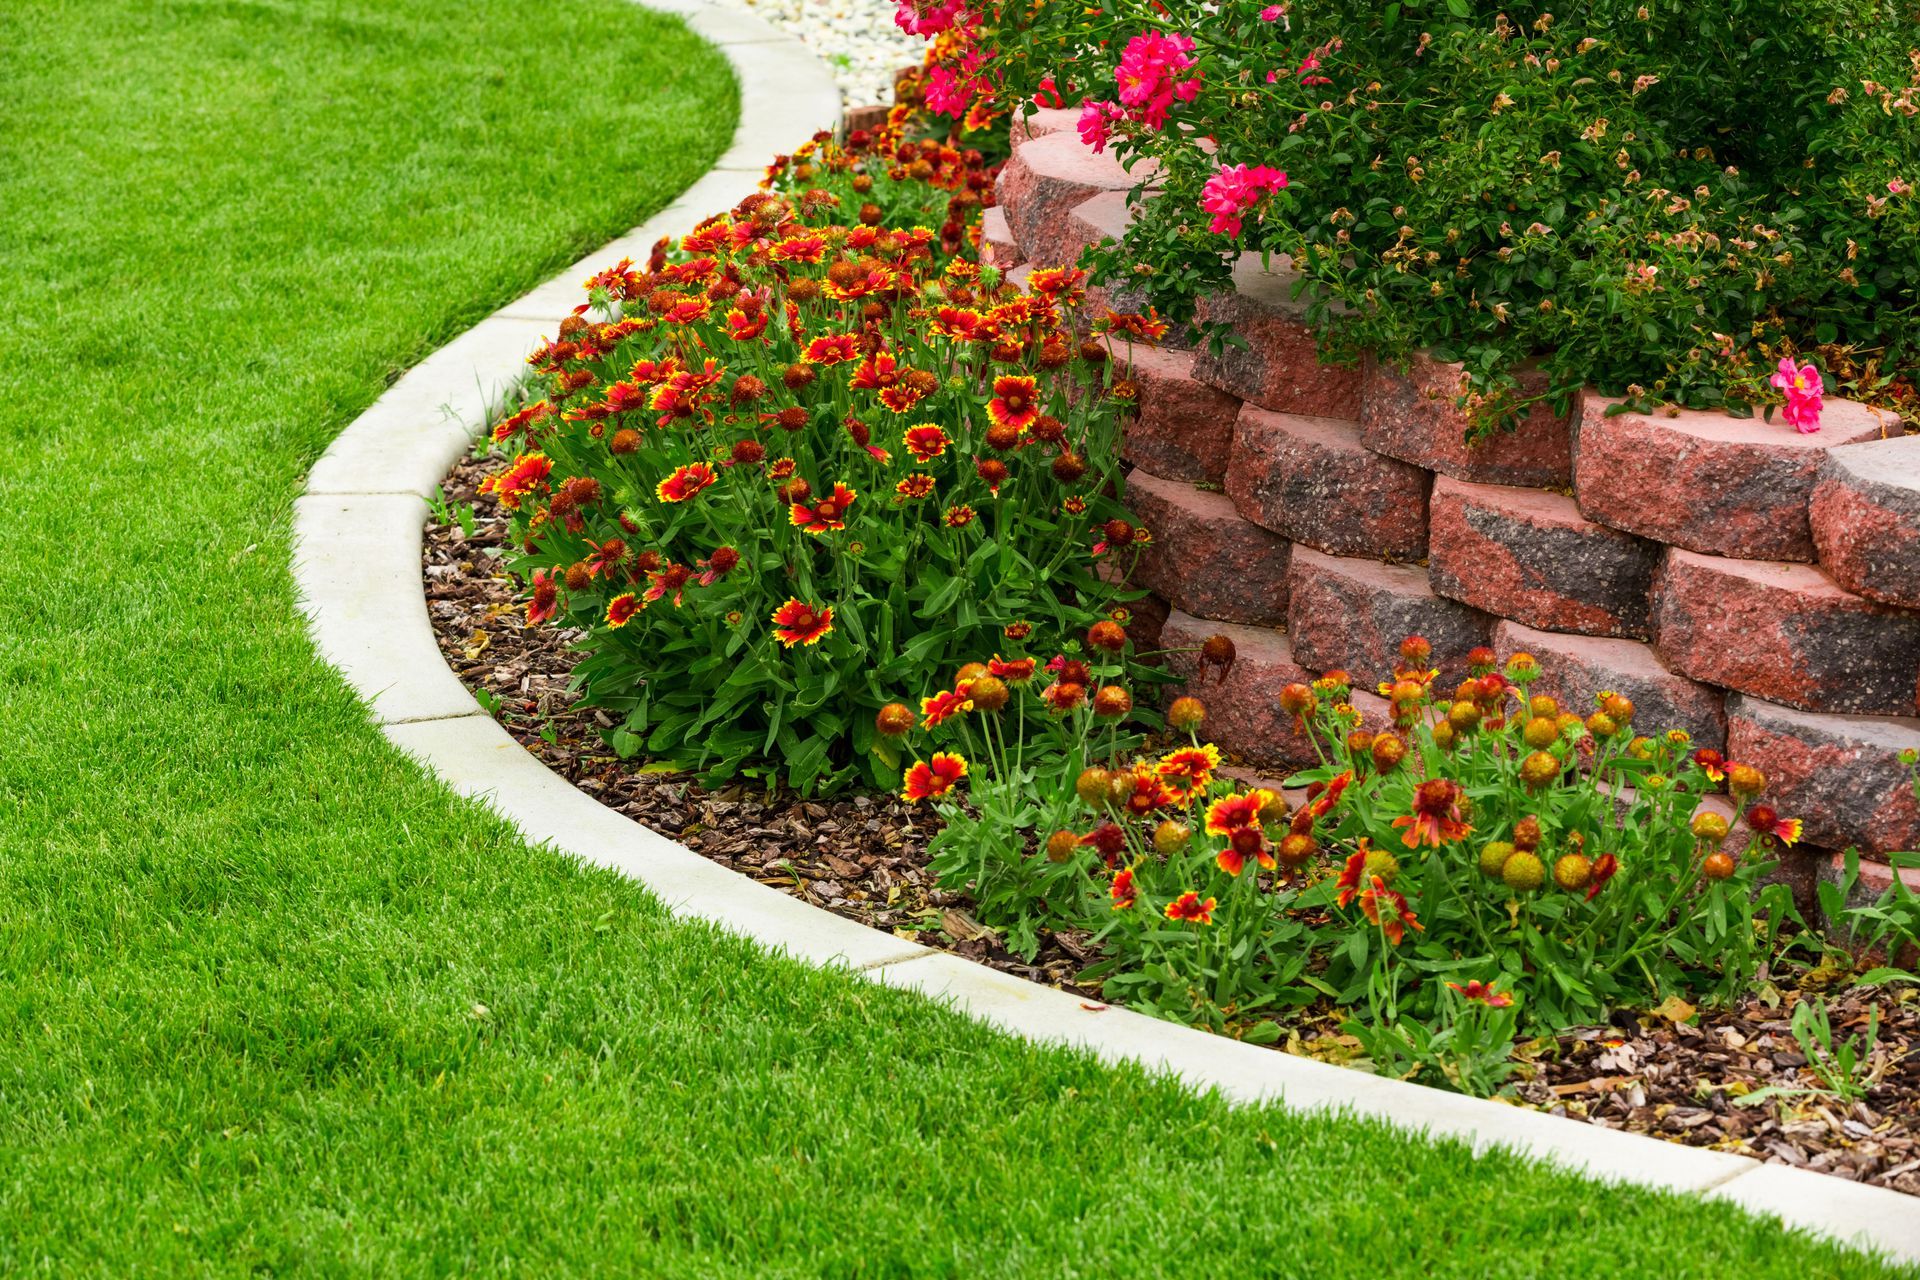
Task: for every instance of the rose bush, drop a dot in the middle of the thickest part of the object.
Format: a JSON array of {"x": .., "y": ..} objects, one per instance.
[
  {"x": 810, "y": 453},
  {"x": 1711, "y": 203}
]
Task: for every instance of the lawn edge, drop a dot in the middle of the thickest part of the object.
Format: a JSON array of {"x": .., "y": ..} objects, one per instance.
[{"x": 358, "y": 531}]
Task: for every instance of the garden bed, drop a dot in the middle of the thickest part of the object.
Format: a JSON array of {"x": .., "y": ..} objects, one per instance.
[{"x": 1675, "y": 1074}]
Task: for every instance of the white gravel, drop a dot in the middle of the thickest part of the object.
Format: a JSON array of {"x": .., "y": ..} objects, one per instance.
[{"x": 857, "y": 38}]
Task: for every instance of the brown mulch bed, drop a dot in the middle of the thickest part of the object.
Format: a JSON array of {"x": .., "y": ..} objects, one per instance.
[{"x": 864, "y": 857}]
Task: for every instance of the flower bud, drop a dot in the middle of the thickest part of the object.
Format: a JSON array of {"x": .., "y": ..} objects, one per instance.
[
  {"x": 1540, "y": 733},
  {"x": 1171, "y": 837},
  {"x": 1060, "y": 846},
  {"x": 1106, "y": 636},
  {"x": 1493, "y": 858},
  {"x": 894, "y": 720},
  {"x": 1718, "y": 866},
  {"x": 1526, "y": 834},
  {"x": 1295, "y": 849},
  {"x": 1091, "y": 787},
  {"x": 1112, "y": 702},
  {"x": 1744, "y": 780},
  {"x": 1296, "y": 699},
  {"x": 1539, "y": 770},
  {"x": 1572, "y": 872},
  {"x": 1388, "y": 751},
  {"x": 988, "y": 693},
  {"x": 1186, "y": 713},
  {"x": 1710, "y": 826},
  {"x": 1524, "y": 872},
  {"x": 1382, "y": 863}
]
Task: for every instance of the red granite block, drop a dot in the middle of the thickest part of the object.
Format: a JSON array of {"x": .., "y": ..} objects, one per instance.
[
  {"x": 1865, "y": 515},
  {"x": 1146, "y": 617},
  {"x": 1707, "y": 482},
  {"x": 1040, "y": 186},
  {"x": 1575, "y": 668},
  {"x": 1353, "y": 613},
  {"x": 1413, "y": 416},
  {"x": 1311, "y": 480},
  {"x": 1787, "y": 633},
  {"x": 1042, "y": 123},
  {"x": 1184, "y": 428},
  {"x": 1205, "y": 559},
  {"x": 1279, "y": 367},
  {"x": 1840, "y": 775},
  {"x": 1243, "y": 706},
  {"x": 1529, "y": 555}
]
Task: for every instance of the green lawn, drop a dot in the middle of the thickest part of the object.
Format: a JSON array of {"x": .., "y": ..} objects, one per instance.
[{"x": 244, "y": 945}]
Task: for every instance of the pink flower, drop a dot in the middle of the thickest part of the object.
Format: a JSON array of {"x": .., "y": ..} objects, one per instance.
[
  {"x": 1899, "y": 187},
  {"x": 1148, "y": 76},
  {"x": 922, "y": 19},
  {"x": 1273, "y": 13},
  {"x": 1096, "y": 123},
  {"x": 1804, "y": 389},
  {"x": 953, "y": 87},
  {"x": 1235, "y": 189}
]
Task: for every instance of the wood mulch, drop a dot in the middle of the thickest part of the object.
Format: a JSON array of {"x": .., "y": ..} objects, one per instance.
[{"x": 863, "y": 856}]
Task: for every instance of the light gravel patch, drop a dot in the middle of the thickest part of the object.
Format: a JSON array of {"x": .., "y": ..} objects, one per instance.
[{"x": 857, "y": 38}]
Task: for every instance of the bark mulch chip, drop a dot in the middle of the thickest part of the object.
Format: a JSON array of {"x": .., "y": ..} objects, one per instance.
[{"x": 864, "y": 857}]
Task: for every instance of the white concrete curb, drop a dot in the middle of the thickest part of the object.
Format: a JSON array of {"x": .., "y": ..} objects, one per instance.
[{"x": 357, "y": 546}]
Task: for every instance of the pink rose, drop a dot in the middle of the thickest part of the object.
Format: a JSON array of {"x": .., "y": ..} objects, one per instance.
[
  {"x": 1803, "y": 389},
  {"x": 1233, "y": 190}
]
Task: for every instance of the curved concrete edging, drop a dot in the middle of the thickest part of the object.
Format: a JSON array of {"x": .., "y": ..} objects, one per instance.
[{"x": 357, "y": 547}]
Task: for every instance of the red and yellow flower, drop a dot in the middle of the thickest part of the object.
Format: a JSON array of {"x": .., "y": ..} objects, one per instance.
[
  {"x": 827, "y": 513},
  {"x": 915, "y": 487},
  {"x": 1190, "y": 906},
  {"x": 670, "y": 580},
  {"x": 546, "y": 597},
  {"x": 528, "y": 472},
  {"x": 1435, "y": 819},
  {"x": 1015, "y": 402},
  {"x": 607, "y": 556},
  {"x": 1604, "y": 868},
  {"x": 1146, "y": 791},
  {"x": 797, "y": 622},
  {"x": 943, "y": 706},
  {"x": 833, "y": 348},
  {"x": 1387, "y": 910},
  {"x": 686, "y": 482},
  {"x": 925, "y": 442},
  {"x": 621, "y": 609},
  {"x": 961, "y": 324},
  {"x": 1765, "y": 820},
  {"x": 1352, "y": 874},
  {"x": 807, "y": 248},
  {"x": 1483, "y": 993},
  {"x": 958, "y": 517},
  {"x": 745, "y": 327},
  {"x": 1188, "y": 771},
  {"x": 931, "y": 779},
  {"x": 1125, "y": 892},
  {"x": 1322, "y": 804},
  {"x": 1011, "y": 670},
  {"x": 1237, "y": 817}
]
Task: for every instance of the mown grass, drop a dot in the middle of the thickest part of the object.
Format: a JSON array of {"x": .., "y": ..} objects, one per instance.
[{"x": 272, "y": 1002}]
